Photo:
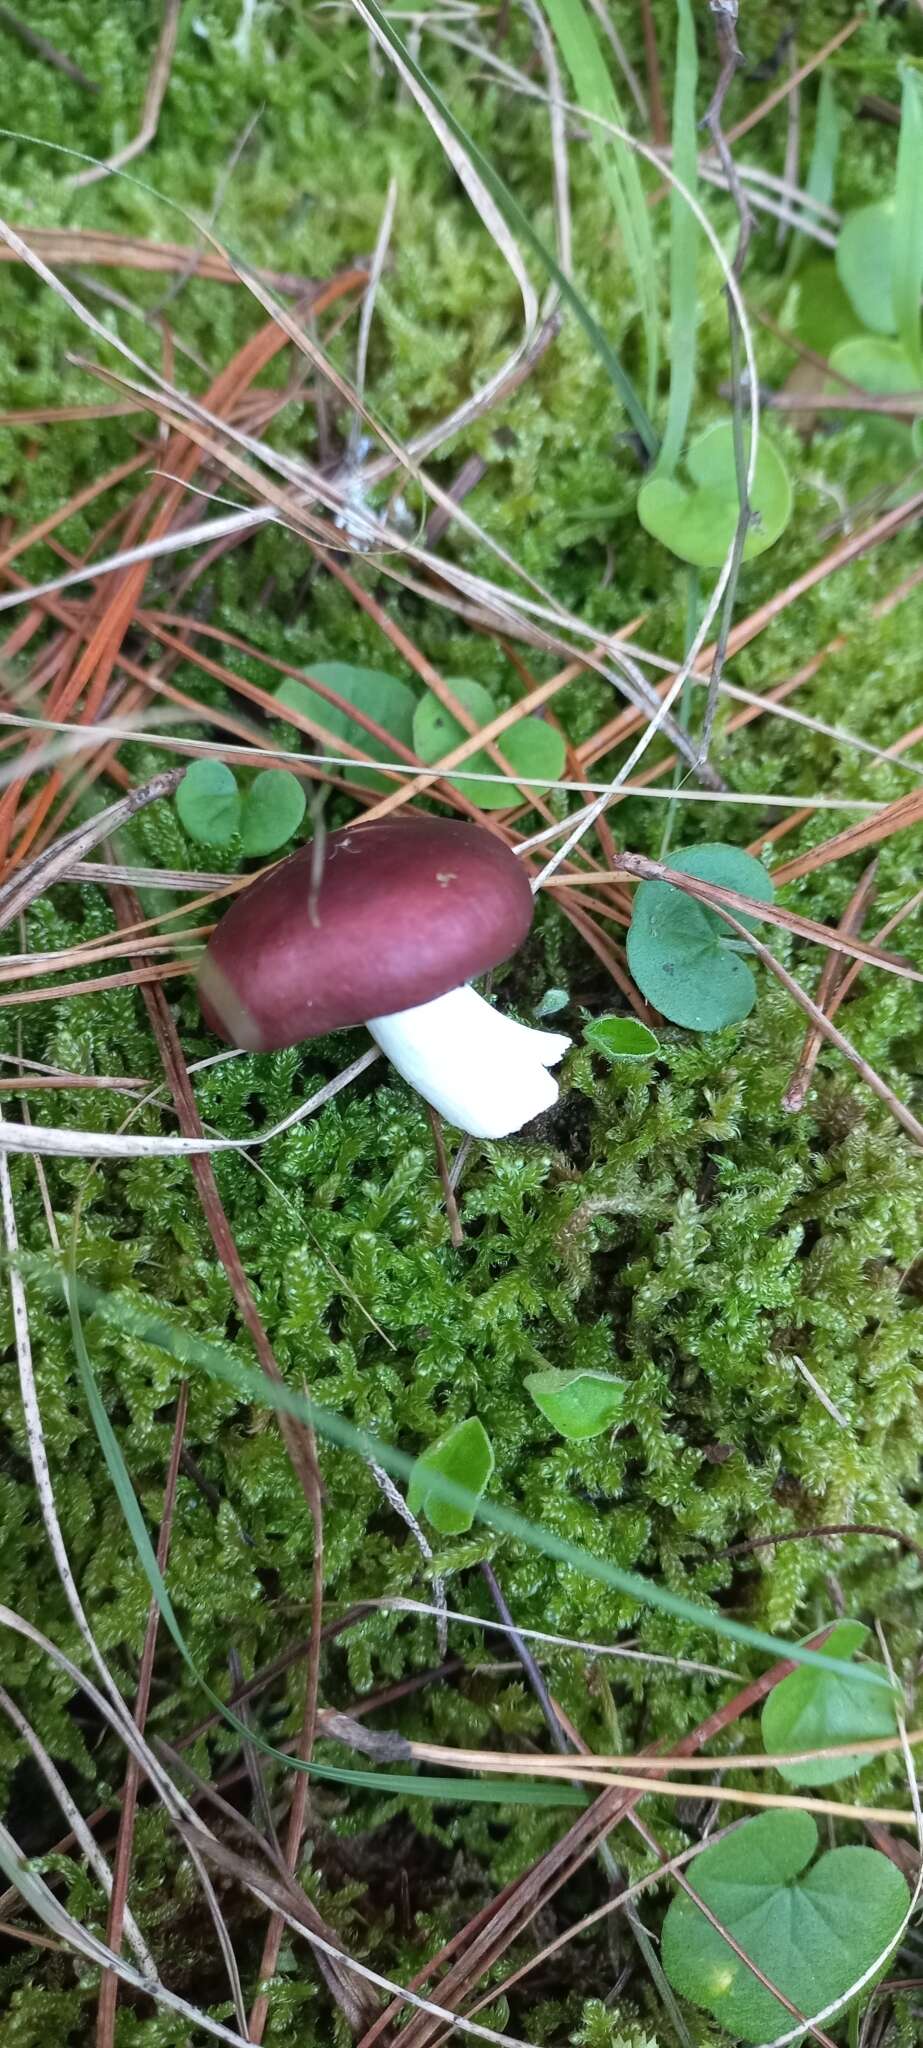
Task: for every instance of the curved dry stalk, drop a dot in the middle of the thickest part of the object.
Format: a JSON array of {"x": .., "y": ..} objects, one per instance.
[{"x": 153, "y": 100}]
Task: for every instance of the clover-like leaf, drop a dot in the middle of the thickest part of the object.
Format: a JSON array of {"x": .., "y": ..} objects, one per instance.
[
  {"x": 465, "y": 1457},
  {"x": 813, "y": 1932},
  {"x": 698, "y": 523},
  {"x": 382, "y": 697},
  {"x": 811, "y": 1709},
  {"x": 533, "y": 748},
  {"x": 678, "y": 949},
  {"x": 577, "y": 1404},
  {"x": 273, "y": 809},
  {"x": 865, "y": 264},
  {"x": 620, "y": 1038},
  {"x": 208, "y": 803}
]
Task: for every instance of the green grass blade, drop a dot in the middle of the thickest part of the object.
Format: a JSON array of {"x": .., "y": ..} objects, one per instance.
[
  {"x": 684, "y": 244},
  {"x": 821, "y": 179},
  {"x": 148, "y": 1326},
  {"x": 595, "y": 90},
  {"x": 517, "y": 219},
  {"x": 908, "y": 228}
]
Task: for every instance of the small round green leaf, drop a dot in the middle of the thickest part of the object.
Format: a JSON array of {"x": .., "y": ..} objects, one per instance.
[
  {"x": 382, "y": 697},
  {"x": 577, "y": 1404},
  {"x": 813, "y": 1932},
  {"x": 273, "y": 809},
  {"x": 865, "y": 264},
  {"x": 810, "y": 1710},
  {"x": 875, "y": 365},
  {"x": 464, "y": 1457},
  {"x": 208, "y": 803},
  {"x": 531, "y": 746},
  {"x": 678, "y": 949},
  {"x": 699, "y": 524},
  {"x": 620, "y": 1038}
]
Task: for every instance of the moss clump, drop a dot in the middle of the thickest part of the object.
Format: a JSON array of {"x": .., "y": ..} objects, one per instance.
[{"x": 673, "y": 1223}]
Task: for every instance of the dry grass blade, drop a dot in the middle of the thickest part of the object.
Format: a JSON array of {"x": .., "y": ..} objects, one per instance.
[
  {"x": 899, "y": 816},
  {"x": 831, "y": 975},
  {"x": 730, "y": 899},
  {"x": 828, "y": 1030},
  {"x": 50, "y": 866},
  {"x": 130, "y": 252}
]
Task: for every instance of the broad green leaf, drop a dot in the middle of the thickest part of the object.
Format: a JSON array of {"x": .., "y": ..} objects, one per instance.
[
  {"x": 208, "y": 803},
  {"x": 684, "y": 243},
  {"x": 577, "y": 1404},
  {"x": 908, "y": 231},
  {"x": 812, "y": 1931},
  {"x": 273, "y": 809},
  {"x": 865, "y": 264},
  {"x": 531, "y": 747},
  {"x": 464, "y": 1456},
  {"x": 809, "y": 1710},
  {"x": 678, "y": 949},
  {"x": 620, "y": 1038},
  {"x": 698, "y": 523},
  {"x": 382, "y": 697},
  {"x": 875, "y": 364},
  {"x": 824, "y": 315}
]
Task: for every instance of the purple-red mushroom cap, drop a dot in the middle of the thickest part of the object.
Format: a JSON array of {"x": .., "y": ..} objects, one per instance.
[{"x": 401, "y": 912}]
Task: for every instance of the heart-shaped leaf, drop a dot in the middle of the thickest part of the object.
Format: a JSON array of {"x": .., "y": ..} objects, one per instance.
[
  {"x": 699, "y": 524},
  {"x": 382, "y": 697},
  {"x": 813, "y": 1934},
  {"x": 865, "y": 264},
  {"x": 620, "y": 1038},
  {"x": 678, "y": 949},
  {"x": 464, "y": 1456},
  {"x": 533, "y": 748},
  {"x": 273, "y": 809},
  {"x": 811, "y": 1710},
  {"x": 577, "y": 1404},
  {"x": 208, "y": 803}
]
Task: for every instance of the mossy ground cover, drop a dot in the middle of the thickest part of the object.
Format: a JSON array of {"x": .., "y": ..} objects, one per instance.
[{"x": 671, "y": 1223}]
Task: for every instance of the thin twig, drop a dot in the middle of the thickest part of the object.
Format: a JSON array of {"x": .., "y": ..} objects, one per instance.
[
  {"x": 153, "y": 101},
  {"x": 832, "y": 974},
  {"x": 46, "y": 50},
  {"x": 395, "y": 1499},
  {"x": 456, "y": 1232}
]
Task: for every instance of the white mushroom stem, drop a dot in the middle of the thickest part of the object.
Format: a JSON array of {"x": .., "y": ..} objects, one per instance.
[{"x": 484, "y": 1073}]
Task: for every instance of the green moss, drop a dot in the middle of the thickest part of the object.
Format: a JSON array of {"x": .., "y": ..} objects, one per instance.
[{"x": 676, "y": 1226}]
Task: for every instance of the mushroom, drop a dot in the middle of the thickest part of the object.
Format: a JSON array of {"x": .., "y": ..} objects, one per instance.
[{"x": 404, "y": 913}]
